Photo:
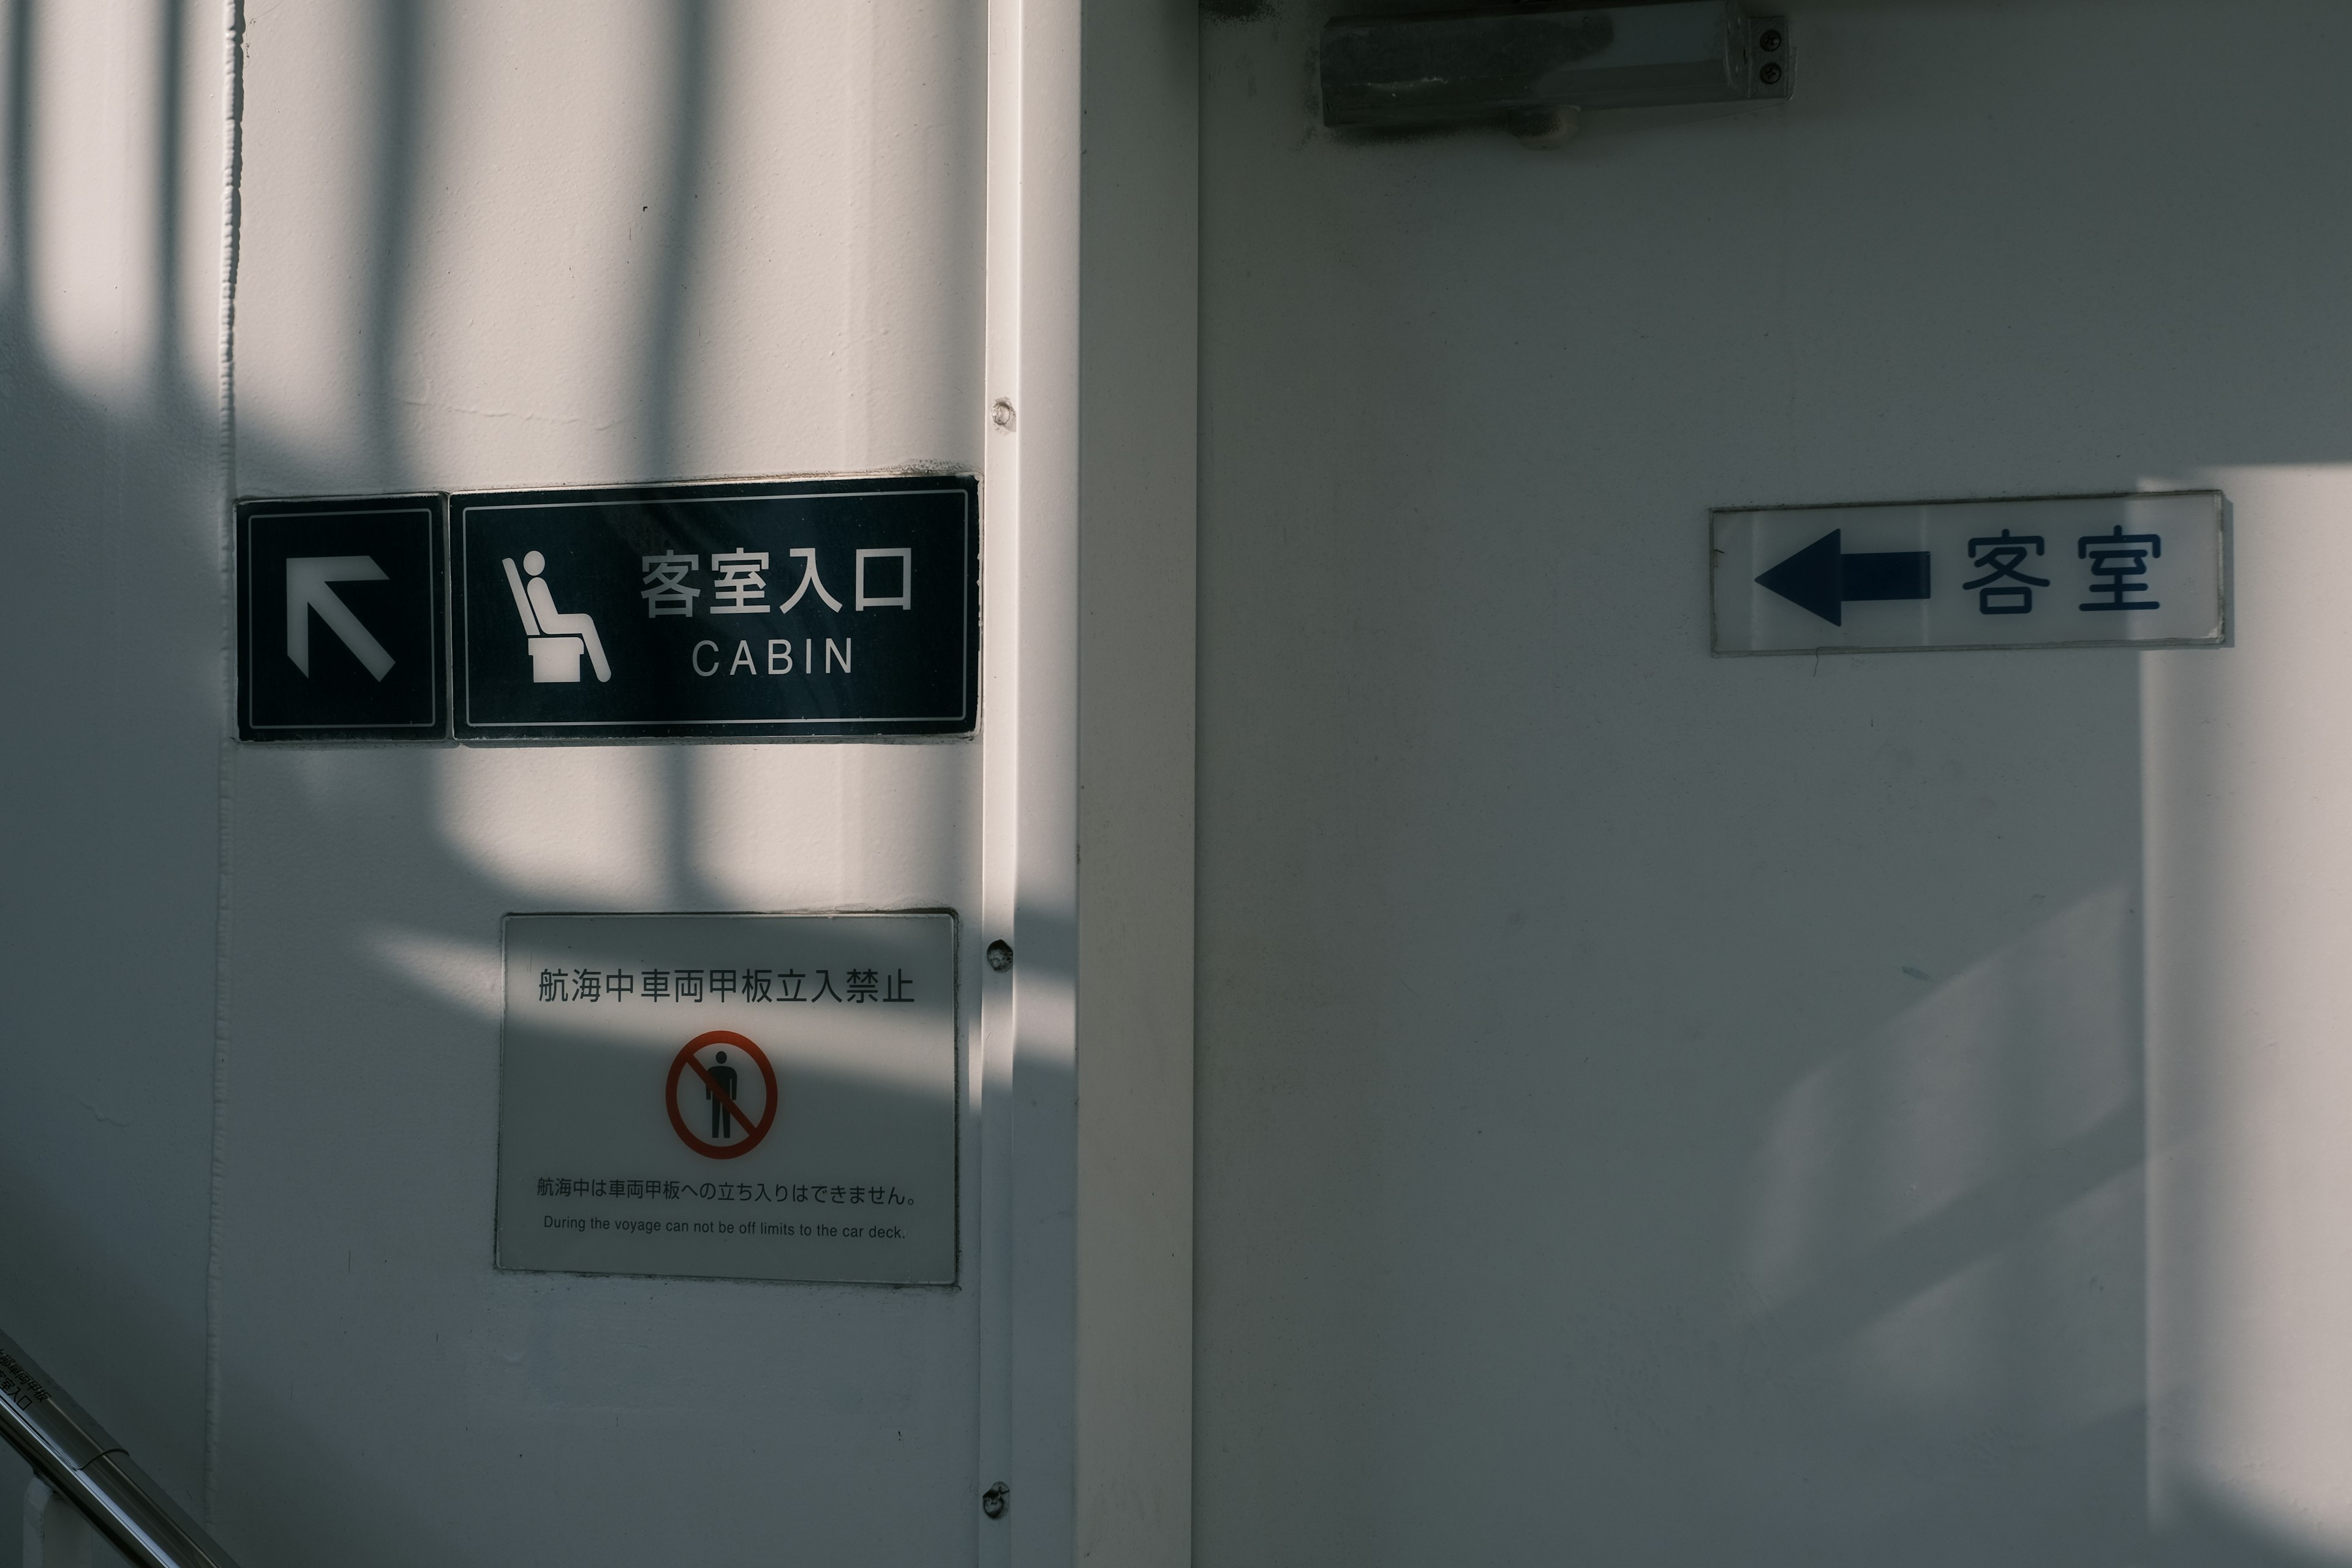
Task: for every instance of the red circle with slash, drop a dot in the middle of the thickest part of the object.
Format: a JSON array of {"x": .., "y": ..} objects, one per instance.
[{"x": 752, "y": 1131}]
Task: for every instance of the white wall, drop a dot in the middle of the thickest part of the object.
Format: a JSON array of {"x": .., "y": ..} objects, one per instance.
[
  {"x": 251, "y": 1092},
  {"x": 1665, "y": 1110},
  {"x": 111, "y": 156},
  {"x": 1136, "y": 656},
  {"x": 549, "y": 243},
  {"x": 1651, "y": 1107}
]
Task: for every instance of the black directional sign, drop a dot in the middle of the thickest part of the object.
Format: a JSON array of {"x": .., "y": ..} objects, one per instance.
[
  {"x": 812, "y": 609},
  {"x": 340, "y": 620}
]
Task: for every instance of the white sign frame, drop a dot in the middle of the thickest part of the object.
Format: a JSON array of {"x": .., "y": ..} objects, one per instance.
[
  {"x": 856, "y": 1089},
  {"x": 1747, "y": 543}
]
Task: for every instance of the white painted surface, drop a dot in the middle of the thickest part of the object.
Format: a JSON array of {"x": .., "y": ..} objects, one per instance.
[
  {"x": 56, "y": 1535},
  {"x": 1092, "y": 307},
  {"x": 611, "y": 242},
  {"x": 111, "y": 158},
  {"x": 1137, "y": 658},
  {"x": 2247, "y": 860},
  {"x": 1671, "y": 1109},
  {"x": 1809, "y": 1228},
  {"x": 248, "y": 1167}
]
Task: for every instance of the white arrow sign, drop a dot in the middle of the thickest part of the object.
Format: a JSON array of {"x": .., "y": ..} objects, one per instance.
[{"x": 307, "y": 577}]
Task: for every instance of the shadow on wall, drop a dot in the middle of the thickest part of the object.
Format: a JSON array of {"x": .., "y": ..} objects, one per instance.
[
  {"x": 1553, "y": 976},
  {"x": 111, "y": 439},
  {"x": 1945, "y": 1261},
  {"x": 112, "y": 436},
  {"x": 2205, "y": 1531},
  {"x": 114, "y": 439},
  {"x": 402, "y": 53}
]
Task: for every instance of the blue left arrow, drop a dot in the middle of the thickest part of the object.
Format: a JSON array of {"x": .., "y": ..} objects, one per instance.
[{"x": 1823, "y": 579}]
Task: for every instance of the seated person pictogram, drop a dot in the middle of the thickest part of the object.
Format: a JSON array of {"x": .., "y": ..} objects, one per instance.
[{"x": 555, "y": 639}]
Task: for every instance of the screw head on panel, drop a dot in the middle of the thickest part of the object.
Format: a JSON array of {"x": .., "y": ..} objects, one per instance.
[
  {"x": 999, "y": 414},
  {"x": 1768, "y": 40},
  {"x": 1000, "y": 956},
  {"x": 1771, "y": 75},
  {"x": 994, "y": 1501}
]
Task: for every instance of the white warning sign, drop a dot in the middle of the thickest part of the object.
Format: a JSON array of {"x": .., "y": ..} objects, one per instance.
[{"x": 737, "y": 1097}]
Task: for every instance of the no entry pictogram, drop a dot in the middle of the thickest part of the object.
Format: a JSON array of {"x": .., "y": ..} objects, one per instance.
[{"x": 721, "y": 1086}]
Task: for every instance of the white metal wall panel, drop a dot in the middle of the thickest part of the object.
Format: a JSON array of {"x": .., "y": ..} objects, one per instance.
[
  {"x": 529, "y": 243},
  {"x": 1672, "y": 1109},
  {"x": 112, "y": 158}
]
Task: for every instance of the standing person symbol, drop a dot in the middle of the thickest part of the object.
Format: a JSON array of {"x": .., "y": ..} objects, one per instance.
[
  {"x": 722, "y": 1083},
  {"x": 727, "y": 1075}
]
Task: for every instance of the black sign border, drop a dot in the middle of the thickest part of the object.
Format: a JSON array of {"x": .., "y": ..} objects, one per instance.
[
  {"x": 965, "y": 485},
  {"x": 248, "y": 508}
]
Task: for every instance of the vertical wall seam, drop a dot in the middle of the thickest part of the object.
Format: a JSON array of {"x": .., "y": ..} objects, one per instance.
[
  {"x": 232, "y": 171},
  {"x": 1001, "y": 250}
]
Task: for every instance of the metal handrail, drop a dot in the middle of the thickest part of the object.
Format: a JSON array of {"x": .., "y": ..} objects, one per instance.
[{"x": 82, "y": 1464}]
